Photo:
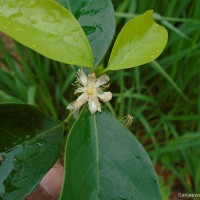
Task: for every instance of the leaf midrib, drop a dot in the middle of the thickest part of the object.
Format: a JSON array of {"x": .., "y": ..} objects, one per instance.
[
  {"x": 97, "y": 154},
  {"x": 33, "y": 138},
  {"x": 137, "y": 43}
]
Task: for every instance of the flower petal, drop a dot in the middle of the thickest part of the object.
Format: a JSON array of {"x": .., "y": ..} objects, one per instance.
[
  {"x": 102, "y": 80},
  {"x": 91, "y": 80},
  {"x": 106, "y": 96},
  {"x": 94, "y": 104},
  {"x": 75, "y": 105},
  {"x": 79, "y": 90},
  {"x": 82, "y": 78}
]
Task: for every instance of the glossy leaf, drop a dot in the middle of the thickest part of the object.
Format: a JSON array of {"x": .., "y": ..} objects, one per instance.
[
  {"x": 104, "y": 161},
  {"x": 30, "y": 145},
  {"x": 48, "y": 28},
  {"x": 140, "y": 41},
  {"x": 97, "y": 20},
  {"x": 64, "y": 3}
]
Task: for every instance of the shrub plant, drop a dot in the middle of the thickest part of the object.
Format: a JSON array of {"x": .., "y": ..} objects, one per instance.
[{"x": 102, "y": 160}]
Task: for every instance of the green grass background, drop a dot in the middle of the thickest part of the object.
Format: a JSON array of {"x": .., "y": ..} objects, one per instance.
[{"x": 163, "y": 96}]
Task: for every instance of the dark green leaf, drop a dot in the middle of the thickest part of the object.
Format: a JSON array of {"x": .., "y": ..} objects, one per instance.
[
  {"x": 30, "y": 145},
  {"x": 105, "y": 161},
  {"x": 64, "y": 3},
  {"x": 97, "y": 20}
]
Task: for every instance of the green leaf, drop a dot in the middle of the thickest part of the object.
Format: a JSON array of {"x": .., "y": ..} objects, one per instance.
[
  {"x": 48, "y": 28},
  {"x": 140, "y": 41},
  {"x": 104, "y": 161},
  {"x": 30, "y": 145},
  {"x": 97, "y": 20}
]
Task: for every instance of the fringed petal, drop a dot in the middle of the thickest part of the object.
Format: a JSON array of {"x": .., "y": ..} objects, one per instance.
[
  {"x": 81, "y": 77},
  {"x": 106, "y": 96},
  {"x": 91, "y": 80},
  {"x": 102, "y": 80},
  {"x": 75, "y": 105},
  {"x": 79, "y": 90},
  {"x": 94, "y": 104}
]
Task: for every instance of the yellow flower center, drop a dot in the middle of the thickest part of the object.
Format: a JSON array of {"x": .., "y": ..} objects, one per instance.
[{"x": 90, "y": 91}]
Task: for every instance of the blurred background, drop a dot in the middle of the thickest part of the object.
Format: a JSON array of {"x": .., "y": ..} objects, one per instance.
[{"x": 162, "y": 96}]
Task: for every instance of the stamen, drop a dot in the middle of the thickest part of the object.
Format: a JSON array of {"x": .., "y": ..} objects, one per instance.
[
  {"x": 90, "y": 91},
  {"x": 127, "y": 120}
]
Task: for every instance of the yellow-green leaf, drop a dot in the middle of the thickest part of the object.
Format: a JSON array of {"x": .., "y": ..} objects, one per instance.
[
  {"x": 48, "y": 28},
  {"x": 140, "y": 41}
]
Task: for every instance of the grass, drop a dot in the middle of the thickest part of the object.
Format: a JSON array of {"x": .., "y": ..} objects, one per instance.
[
  {"x": 31, "y": 78},
  {"x": 163, "y": 96}
]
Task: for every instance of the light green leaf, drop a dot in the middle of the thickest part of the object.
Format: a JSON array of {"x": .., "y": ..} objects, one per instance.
[
  {"x": 48, "y": 28},
  {"x": 104, "y": 161},
  {"x": 140, "y": 41},
  {"x": 30, "y": 145}
]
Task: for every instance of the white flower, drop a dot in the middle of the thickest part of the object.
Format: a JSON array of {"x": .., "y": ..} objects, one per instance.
[{"x": 90, "y": 87}]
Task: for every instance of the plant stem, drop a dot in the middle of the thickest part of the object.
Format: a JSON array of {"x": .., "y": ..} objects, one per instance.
[{"x": 66, "y": 121}]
